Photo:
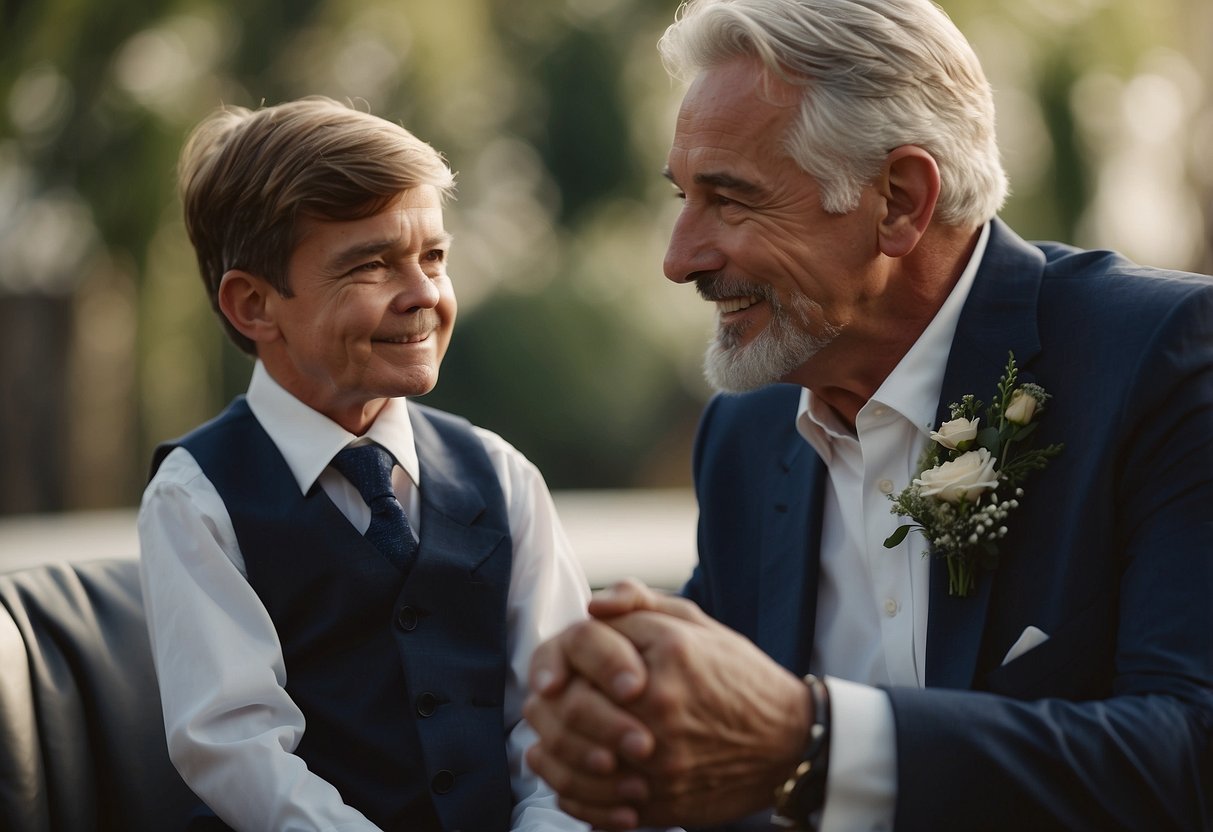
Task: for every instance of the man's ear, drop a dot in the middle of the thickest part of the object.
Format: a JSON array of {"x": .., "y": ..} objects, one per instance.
[
  {"x": 909, "y": 184},
  {"x": 246, "y": 301}
]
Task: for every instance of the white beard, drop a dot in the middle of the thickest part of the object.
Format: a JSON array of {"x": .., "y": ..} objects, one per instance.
[{"x": 784, "y": 345}]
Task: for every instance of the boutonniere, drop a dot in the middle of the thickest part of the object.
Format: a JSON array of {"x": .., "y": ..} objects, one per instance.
[{"x": 969, "y": 479}]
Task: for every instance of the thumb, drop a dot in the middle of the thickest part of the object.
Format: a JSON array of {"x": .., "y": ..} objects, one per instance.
[{"x": 630, "y": 595}]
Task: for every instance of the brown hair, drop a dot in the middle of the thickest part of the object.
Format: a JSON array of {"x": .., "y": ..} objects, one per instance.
[{"x": 247, "y": 176}]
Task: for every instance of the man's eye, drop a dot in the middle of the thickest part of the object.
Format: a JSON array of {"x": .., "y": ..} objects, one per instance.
[
  {"x": 435, "y": 255},
  {"x": 372, "y": 266}
]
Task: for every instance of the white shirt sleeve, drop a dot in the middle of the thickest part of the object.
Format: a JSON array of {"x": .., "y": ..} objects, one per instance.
[
  {"x": 861, "y": 787},
  {"x": 231, "y": 727},
  {"x": 548, "y": 591}
]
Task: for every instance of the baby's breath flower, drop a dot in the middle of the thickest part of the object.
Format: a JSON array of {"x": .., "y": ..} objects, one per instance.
[{"x": 959, "y": 500}]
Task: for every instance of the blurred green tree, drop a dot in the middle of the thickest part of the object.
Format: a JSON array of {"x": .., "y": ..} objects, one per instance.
[{"x": 556, "y": 115}]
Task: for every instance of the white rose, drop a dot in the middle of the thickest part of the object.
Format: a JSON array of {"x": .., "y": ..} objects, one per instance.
[
  {"x": 1021, "y": 408},
  {"x": 952, "y": 434},
  {"x": 964, "y": 478}
]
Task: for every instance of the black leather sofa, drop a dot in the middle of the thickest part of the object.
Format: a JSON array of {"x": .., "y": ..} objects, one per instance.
[{"x": 81, "y": 739}]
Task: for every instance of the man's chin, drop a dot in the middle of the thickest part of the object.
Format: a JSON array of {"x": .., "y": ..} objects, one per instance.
[
  {"x": 742, "y": 368},
  {"x": 732, "y": 371},
  {"x": 415, "y": 382}
]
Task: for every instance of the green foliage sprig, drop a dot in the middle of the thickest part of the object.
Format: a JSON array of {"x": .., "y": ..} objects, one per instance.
[{"x": 970, "y": 478}]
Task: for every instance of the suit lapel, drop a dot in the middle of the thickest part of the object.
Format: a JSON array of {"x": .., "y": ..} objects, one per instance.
[
  {"x": 999, "y": 317},
  {"x": 790, "y": 556}
]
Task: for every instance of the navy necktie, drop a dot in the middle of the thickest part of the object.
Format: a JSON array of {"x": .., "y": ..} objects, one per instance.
[{"x": 369, "y": 468}]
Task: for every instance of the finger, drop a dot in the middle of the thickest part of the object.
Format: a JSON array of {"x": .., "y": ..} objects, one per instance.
[
  {"x": 585, "y": 730},
  {"x": 621, "y": 597},
  {"x": 632, "y": 596},
  {"x": 602, "y": 792},
  {"x": 593, "y": 650},
  {"x": 550, "y": 670},
  {"x": 573, "y": 749},
  {"x": 674, "y": 628},
  {"x": 609, "y": 818}
]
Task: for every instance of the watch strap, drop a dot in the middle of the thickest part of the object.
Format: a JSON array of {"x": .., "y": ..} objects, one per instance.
[{"x": 799, "y": 800}]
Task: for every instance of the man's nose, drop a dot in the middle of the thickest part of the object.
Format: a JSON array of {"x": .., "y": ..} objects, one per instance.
[
  {"x": 415, "y": 290},
  {"x": 692, "y": 249}
]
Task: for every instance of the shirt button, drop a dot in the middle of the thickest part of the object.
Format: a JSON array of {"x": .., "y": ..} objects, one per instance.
[
  {"x": 879, "y": 411},
  {"x": 885, "y": 486},
  {"x": 443, "y": 782},
  {"x": 427, "y": 703},
  {"x": 891, "y": 607},
  {"x": 406, "y": 619}
]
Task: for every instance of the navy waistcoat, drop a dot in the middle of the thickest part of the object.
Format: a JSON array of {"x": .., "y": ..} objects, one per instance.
[{"x": 401, "y": 681}]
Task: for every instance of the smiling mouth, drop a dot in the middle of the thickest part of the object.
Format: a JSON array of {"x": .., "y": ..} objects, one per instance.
[
  {"x": 736, "y": 304},
  {"x": 404, "y": 339}
]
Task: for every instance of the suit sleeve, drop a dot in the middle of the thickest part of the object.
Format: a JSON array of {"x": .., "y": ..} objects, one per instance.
[
  {"x": 1140, "y": 757},
  {"x": 696, "y": 587}
]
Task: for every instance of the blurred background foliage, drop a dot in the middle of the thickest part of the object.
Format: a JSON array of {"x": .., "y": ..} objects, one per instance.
[{"x": 556, "y": 114}]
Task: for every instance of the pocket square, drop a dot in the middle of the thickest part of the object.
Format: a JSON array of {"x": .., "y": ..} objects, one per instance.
[{"x": 1029, "y": 638}]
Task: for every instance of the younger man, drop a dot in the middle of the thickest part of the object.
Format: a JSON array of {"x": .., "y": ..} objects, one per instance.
[{"x": 313, "y": 677}]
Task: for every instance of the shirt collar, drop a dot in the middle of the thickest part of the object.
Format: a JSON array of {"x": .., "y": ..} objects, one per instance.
[
  {"x": 308, "y": 440},
  {"x": 913, "y": 388}
]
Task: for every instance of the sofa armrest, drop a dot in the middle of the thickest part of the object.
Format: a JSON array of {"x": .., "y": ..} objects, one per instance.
[{"x": 81, "y": 736}]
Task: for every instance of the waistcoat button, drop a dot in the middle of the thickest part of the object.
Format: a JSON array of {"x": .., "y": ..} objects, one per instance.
[
  {"x": 443, "y": 782},
  {"x": 427, "y": 703},
  {"x": 406, "y": 619}
]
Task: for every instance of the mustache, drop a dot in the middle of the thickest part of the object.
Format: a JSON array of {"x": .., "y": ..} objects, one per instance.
[{"x": 714, "y": 286}]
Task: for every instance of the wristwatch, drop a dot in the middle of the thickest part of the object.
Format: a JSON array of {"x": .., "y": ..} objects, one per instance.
[{"x": 799, "y": 800}]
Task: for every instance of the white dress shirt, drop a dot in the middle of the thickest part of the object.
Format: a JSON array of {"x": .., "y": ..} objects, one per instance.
[
  {"x": 871, "y": 626},
  {"x": 231, "y": 727}
]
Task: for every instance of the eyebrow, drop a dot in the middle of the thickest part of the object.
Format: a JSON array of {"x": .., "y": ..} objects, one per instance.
[
  {"x": 360, "y": 251},
  {"x": 722, "y": 180}
]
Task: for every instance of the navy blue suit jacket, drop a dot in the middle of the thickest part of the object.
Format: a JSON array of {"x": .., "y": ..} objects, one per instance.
[{"x": 1108, "y": 724}]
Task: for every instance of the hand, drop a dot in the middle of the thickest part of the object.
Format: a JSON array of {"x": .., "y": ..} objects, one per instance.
[
  {"x": 580, "y": 727},
  {"x": 658, "y": 715}
]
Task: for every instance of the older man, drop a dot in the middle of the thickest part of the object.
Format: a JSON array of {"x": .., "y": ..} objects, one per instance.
[{"x": 1051, "y": 666}]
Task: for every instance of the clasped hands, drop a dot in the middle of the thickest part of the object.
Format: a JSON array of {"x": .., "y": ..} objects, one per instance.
[{"x": 651, "y": 713}]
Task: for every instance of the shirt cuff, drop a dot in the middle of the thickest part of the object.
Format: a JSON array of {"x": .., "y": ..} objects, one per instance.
[{"x": 861, "y": 788}]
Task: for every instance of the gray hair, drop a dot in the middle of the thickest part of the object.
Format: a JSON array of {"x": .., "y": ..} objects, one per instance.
[{"x": 878, "y": 74}]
